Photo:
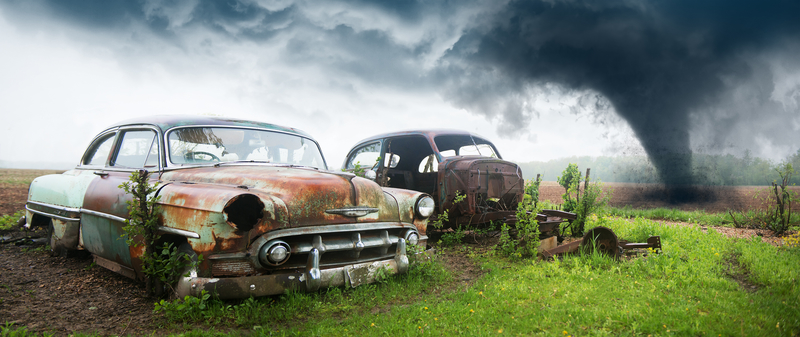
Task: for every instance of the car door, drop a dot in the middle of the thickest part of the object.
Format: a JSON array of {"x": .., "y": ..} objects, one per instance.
[{"x": 105, "y": 206}]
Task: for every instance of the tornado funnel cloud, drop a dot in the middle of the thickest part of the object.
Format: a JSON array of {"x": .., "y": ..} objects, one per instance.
[{"x": 659, "y": 63}]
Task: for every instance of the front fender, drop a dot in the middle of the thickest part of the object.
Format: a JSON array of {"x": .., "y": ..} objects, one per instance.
[
  {"x": 210, "y": 211},
  {"x": 406, "y": 203}
]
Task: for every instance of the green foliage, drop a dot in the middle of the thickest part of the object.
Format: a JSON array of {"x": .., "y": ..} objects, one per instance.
[
  {"x": 142, "y": 209},
  {"x": 293, "y": 309},
  {"x": 784, "y": 198},
  {"x": 359, "y": 170},
  {"x": 701, "y": 285},
  {"x": 383, "y": 273},
  {"x": 526, "y": 241},
  {"x": 440, "y": 220},
  {"x": 187, "y": 309},
  {"x": 570, "y": 180},
  {"x": 452, "y": 238},
  {"x": 532, "y": 190},
  {"x": 161, "y": 264},
  {"x": 167, "y": 263},
  {"x": 776, "y": 214},
  {"x": 669, "y": 214},
  {"x": 11, "y": 330},
  {"x": 444, "y": 217},
  {"x": 593, "y": 199},
  {"x": 9, "y": 221},
  {"x": 421, "y": 262}
]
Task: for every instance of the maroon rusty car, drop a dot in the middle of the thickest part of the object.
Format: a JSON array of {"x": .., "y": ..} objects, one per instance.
[
  {"x": 444, "y": 163},
  {"x": 255, "y": 200}
]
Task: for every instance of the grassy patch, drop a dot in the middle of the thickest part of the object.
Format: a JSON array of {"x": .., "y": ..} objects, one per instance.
[
  {"x": 702, "y": 284},
  {"x": 9, "y": 221},
  {"x": 295, "y": 310},
  {"x": 710, "y": 219}
]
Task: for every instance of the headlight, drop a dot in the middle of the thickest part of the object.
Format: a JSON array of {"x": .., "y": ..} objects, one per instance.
[
  {"x": 274, "y": 253},
  {"x": 425, "y": 206},
  {"x": 412, "y": 237}
]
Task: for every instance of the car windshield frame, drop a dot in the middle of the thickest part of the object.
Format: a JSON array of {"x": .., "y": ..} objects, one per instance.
[
  {"x": 216, "y": 151},
  {"x": 475, "y": 142}
]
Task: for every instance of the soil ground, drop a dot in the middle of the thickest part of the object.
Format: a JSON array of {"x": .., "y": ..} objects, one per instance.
[{"x": 66, "y": 295}]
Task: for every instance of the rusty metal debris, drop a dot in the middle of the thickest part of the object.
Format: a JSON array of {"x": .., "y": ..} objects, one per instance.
[{"x": 603, "y": 240}]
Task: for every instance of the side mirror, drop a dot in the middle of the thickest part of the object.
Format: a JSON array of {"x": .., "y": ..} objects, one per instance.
[{"x": 370, "y": 174}]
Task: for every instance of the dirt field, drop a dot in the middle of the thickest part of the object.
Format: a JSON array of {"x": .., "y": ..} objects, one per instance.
[
  {"x": 66, "y": 295},
  {"x": 714, "y": 199}
]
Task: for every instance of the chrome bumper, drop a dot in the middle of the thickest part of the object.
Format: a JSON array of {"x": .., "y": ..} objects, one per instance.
[{"x": 311, "y": 279}]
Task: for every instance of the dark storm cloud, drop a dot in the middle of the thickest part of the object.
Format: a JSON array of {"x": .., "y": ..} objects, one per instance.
[
  {"x": 656, "y": 61},
  {"x": 157, "y": 15},
  {"x": 369, "y": 54},
  {"x": 682, "y": 73}
]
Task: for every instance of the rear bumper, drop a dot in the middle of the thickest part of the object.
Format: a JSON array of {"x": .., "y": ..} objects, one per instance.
[{"x": 311, "y": 279}]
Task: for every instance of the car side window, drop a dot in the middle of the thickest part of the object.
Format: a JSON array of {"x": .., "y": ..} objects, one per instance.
[
  {"x": 137, "y": 149},
  {"x": 429, "y": 164},
  {"x": 99, "y": 150},
  {"x": 366, "y": 156}
]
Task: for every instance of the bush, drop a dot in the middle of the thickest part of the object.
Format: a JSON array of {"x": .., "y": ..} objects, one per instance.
[
  {"x": 777, "y": 212},
  {"x": 593, "y": 199},
  {"x": 570, "y": 179},
  {"x": 526, "y": 242},
  {"x": 532, "y": 190}
]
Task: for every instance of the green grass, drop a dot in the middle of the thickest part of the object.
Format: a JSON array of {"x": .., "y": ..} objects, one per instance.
[
  {"x": 688, "y": 290},
  {"x": 699, "y": 217},
  {"x": 710, "y": 219}
]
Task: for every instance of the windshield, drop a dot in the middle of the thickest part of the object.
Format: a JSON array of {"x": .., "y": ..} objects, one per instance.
[
  {"x": 464, "y": 145},
  {"x": 204, "y": 145}
]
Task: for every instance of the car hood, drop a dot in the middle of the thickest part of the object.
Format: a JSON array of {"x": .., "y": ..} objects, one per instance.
[
  {"x": 480, "y": 178},
  {"x": 292, "y": 196}
]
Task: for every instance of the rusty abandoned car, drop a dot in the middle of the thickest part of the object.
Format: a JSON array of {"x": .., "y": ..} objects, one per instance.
[
  {"x": 255, "y": 200},
  {"x": 447, "y": 164}
]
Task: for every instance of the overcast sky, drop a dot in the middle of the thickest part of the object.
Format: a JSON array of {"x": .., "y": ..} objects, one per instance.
[{"x": 542, "y": 79}]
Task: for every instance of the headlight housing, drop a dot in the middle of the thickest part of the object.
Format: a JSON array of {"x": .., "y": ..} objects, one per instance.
[
  {"x": 425, "y": 206},
  {"x": 274, "y": 253},
  {"x": 412, "y": 237}
]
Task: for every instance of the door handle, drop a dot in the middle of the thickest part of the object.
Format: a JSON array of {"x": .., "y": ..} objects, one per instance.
[{"x": 102, "y": 174}]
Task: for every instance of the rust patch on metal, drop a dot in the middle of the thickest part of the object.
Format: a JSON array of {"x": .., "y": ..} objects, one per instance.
[{"x": 604, "y": 241}]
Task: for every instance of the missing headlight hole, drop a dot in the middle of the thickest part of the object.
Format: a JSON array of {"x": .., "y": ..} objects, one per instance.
[{"x": 244, "y": 211}]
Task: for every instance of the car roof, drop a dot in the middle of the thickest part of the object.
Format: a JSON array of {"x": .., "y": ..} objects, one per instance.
[
  {"x": 166, "y": 122},
  {"x": 428, "y": 133}
]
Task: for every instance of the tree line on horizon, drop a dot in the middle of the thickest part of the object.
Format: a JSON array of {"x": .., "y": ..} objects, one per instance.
[{"x": 714, "y": 170}]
